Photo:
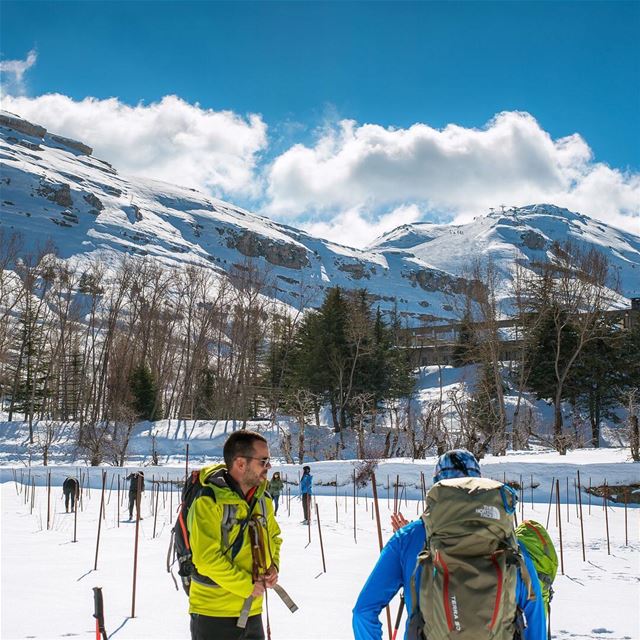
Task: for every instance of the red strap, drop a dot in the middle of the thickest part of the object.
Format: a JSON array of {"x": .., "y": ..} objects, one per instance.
[
  {"x": 496, "y": 608},
  {"x": 445, "y": 589}
]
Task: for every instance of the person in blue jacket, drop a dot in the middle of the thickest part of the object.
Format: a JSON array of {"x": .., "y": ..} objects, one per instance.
[
  {"x": 306, "y": 490},
  {"x": 398, "y": 559}
]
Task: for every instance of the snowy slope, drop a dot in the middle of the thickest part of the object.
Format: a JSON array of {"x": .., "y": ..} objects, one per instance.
[
  {"x": 54, "y": 189},
  {"x": 520, "y": 235},
  {"x": 47, "y": 587}
]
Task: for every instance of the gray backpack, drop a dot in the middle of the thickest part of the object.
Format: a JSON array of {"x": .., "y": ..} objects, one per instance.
[{"x": 464, "y": 586}]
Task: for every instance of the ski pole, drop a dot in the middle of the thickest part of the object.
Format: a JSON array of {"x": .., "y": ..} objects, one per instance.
[
  {"x": 398, "y": 617},
  {"x": 98, "y": 613}
]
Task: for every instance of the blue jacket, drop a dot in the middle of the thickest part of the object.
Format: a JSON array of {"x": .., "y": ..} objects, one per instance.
[
  {"x": 306, "y": 483},
  {"x": 394, "y": 569}
]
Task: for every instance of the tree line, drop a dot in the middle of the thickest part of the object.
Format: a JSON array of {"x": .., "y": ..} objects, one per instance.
[{"x": 107, "y": 342}]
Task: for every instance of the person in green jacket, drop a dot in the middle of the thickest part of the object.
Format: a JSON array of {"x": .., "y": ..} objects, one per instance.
[
  {"x": 235, "y": 542},
  {"x": 275, "y": 489}
]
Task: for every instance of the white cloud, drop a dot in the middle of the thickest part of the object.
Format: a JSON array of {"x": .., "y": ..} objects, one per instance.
[
  {"x": 511, "y": 161},
  {"x": 12, "y": 73},
  {"x": 357, "y": 229},
  {"x": 168, "y": 140}
]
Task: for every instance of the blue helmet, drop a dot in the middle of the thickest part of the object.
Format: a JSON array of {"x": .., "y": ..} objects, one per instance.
[{"x": 458, "y": 463}]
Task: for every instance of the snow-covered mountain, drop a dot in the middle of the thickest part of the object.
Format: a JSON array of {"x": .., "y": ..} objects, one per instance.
[{"x": 54, "y": 189}]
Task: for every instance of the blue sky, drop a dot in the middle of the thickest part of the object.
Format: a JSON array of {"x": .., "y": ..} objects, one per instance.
[{"x": 309, "y": 86}]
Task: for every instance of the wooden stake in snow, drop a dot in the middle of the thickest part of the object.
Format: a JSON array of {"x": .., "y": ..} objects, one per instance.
[
  {"x": 135, "y": 547},
  {"x": 606, "y": 515},
  {"x": 104, "y": 482},
  {"x": 567, "y": 498},
  {"x": 118, "y": 505},
  {"x": 186, "y": 465},
  {"x": 626, "y": 526},
  {"x": 155, "y": 513},
  {"x": 589, "y": 495},
  {"x": 336, "y": 492},
  {"x": 559, "y": 525},
  {"x": 324, "y": 564},
  {"x": 75, "y": 519},
  {"x": 33, "y": 493},
  {"x": 532, "y": 491},
  {"x": 355, "y": 537},
  {"x": 379, "y": 527},
  {"x": 550, "y": 500},
  {"x": 579, "y": 490},
  {"x": 48, "y": 498}
]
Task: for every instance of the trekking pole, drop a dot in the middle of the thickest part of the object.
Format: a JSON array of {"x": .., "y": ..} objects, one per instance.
[
  {"x": 104, "y": 481},
  {"x": 379, "y": 527},
  {"x": 135, "y": 548},
  {"x": 579, "y": 490},
  {"x": 550, "y": 499},
  {"x": 48, "y": 498},
  {"x": 98, "y": 613},
  {"x": 395, "y": 494},
  {"x": 396, "y": 626},
  {"x": 324, "y": 564},
  {"x": 559, "y": 524},
  {"x": 186, "y": 465},
  {"x": 606, "y": 516}
]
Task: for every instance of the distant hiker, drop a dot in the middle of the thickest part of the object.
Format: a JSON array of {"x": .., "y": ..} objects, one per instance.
[
  {"x": 71, "y": 491},
  {"x": 136, "y": 479},
  {"x": 235, "y": 543},
  {"x": 306, "y": 491},
  {"x": 439, "y": 596},
  {"x": 275, "y": 489}
]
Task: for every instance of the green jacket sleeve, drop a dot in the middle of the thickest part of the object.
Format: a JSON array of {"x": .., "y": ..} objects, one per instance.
[{"x": 205, "y": 534}]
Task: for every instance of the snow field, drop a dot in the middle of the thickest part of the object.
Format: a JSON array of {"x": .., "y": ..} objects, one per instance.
[{"x": 47, "y": 579}]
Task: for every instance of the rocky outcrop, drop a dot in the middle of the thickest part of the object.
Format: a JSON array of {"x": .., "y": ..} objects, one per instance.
[
  {"x": 356, "y": 270},
  {"x": 73, "y": 144},
  {"x": 533, "y": 240},
  {"x": 60, "y": 194},
  {"x": 22, "y": 126},
  {"x": 280, "y": 254},
  {"x": 94, "y": 202},
  {"x": 433, "y": 281}
]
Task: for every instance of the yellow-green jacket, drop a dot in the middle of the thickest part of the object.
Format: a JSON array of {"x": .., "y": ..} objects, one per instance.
[{"x": 233, "y": 577}]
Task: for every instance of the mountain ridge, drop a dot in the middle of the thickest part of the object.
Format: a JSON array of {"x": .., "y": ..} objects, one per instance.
[{"x": 53, "y": 188}]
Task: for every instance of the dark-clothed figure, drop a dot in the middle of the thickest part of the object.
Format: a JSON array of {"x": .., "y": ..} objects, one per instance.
[
  {"x": 306, "y": 491},
  {"x": 135, "y": 479},
  {"x": 71, "y": 491},
  {"x": 275, "y": 489}
]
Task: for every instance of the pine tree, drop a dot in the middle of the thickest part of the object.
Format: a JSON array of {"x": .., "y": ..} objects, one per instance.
[{"x": 144, "y": 392}]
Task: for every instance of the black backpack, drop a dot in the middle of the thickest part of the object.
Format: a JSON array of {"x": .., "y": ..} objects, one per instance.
[{"x": 179, "y": 545}]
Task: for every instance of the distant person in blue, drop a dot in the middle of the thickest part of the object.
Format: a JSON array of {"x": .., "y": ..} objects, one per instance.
[
  {"x": 306, "y": 491},
  {"x": 398, "y": 559}
]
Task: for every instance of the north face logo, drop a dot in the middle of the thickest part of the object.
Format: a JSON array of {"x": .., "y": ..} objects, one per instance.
[{"x": 488, "y": 511}]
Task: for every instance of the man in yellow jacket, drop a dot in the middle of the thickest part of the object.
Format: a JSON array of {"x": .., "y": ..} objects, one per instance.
[{"x": 235, "y": 541}]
